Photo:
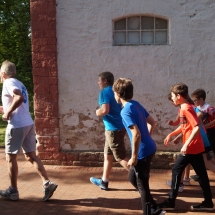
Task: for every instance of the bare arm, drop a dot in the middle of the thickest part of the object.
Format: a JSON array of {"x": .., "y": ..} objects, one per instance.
[
  {"x": 210, "y": 124},
  {"x": 17, "y": 101},
  {"x": 104, "y": 110},
  {"x": 167, "y": 139},
  {"x": 151, "y": 124},
  {"x": 136, "y": 138}
]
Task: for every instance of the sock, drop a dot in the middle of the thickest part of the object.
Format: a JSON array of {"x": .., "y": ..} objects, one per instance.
[
  {"x": 105, "y": 180},
  {"x": 46, "y": 183}
]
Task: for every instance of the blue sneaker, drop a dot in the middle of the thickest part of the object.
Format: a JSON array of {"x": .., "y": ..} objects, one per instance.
[{"x": 99, "y": 182}]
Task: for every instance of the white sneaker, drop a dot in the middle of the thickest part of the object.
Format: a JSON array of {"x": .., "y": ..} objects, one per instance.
[
  {"x": 186, "y": 181},
  {"x": 49, "y": 190},
  {"x": 180, "y": 189},
  {"x": 8, "y": 194}
]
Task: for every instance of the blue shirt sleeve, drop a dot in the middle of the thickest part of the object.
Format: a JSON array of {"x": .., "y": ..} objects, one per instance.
[
  {"x": 127, "y": 117},
  {"x": 104, "y": 97}
]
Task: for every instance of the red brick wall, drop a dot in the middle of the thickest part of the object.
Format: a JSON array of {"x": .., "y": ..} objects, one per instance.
[{"x": 45, "y": 77}]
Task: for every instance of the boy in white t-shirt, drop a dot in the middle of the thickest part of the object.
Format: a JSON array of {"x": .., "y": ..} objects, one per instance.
[
  {"x": 20, "y": 132},
  {"x": 207, "y": 114}
]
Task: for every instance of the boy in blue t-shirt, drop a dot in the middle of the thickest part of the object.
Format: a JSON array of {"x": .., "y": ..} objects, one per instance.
[
  {"x": 135, "y": 119},
  {"x": 109, "y": 110}
]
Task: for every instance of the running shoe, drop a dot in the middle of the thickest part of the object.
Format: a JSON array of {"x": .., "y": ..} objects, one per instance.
[
  {"x": 186, "y": 181},
  {"x": 195, "y": 177},
  {"x": 167, "y": 205},
  {"x": 203, "y": 207},
  {"x": 10, "y": 194},
  {"x": 49, "y": 190},
  {"x": 99, "y": 182}
]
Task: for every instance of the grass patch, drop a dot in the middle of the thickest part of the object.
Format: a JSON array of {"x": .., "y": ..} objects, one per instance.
[{"x": 3, "y": 125}]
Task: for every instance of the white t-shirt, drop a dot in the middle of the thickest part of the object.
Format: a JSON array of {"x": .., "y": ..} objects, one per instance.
[
  {"x": 21, "y": 116},
  {"x": 204, "y": 107}
]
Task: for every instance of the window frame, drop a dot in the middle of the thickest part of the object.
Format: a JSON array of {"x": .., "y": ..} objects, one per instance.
[{"x": 140, "y": 30}]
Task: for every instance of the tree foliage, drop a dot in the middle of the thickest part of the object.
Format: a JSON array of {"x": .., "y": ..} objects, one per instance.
[{"x": 15, "y": 38}]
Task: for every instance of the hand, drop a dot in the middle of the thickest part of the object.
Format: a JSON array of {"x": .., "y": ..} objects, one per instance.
[
  {"x": 184, "y": 150},
  {"x": 170, "y": 122},
  {"x": 5, "y": 117},
  {"x": 1, "y": 110},
  {"x": 97, "y": 112},
  {"x": 166, "y": 140},
  {"x": 132, "y": 162}
]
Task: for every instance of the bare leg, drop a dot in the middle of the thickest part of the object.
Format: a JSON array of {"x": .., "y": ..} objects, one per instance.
[
  {"x": 209, "y": 165},
  {"x": 212, "y": 160},
  {"x": 108, "y": 163},
  {"x": 124, "y": 163},
  {"x": 38, "y": 165},
  {"x": 182, "y": 176},
  {"x": 187, "y": 171},
  {"x": 12, "y": 169}
]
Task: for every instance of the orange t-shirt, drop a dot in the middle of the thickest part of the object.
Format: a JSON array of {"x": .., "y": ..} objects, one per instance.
[{"x": 189, "y": 120}]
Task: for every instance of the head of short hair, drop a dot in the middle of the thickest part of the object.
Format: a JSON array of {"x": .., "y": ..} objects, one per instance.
[
  {"x": 181, "y": 89},
  {"x": 107, "y": 76},
  {"x": 123, "y": 87},
  {"x": 8, "y": 68},
  {"x": 199, "y": 93}
]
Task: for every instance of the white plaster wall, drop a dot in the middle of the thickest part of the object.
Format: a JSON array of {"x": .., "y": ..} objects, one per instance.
[{"x": 84, "y": 36}]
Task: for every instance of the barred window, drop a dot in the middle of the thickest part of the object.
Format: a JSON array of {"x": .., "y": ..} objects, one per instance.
[{"x": 140, "y": 30}]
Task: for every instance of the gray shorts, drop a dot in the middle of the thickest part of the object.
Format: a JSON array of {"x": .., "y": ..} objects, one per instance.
[{"x": 17, "y": 138}]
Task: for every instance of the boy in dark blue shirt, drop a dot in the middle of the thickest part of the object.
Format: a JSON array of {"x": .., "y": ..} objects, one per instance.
[{"x": 135, "y": 119}]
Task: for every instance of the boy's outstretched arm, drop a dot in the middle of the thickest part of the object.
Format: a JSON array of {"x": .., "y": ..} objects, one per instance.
[
  {"x": 136, "y": 137},
  {"x": 189, "y": 140},
  {"x": 167, "y": 139},
  {"x": 103, "y": 110},
  {"x": 152, "y": 124},
  {"x": 210, "y": 124}
]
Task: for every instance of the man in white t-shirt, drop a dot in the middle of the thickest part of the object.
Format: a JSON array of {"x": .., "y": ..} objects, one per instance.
[{"x": 20, "y": 132}]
